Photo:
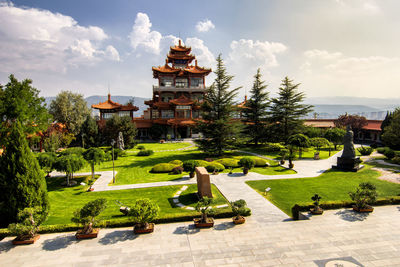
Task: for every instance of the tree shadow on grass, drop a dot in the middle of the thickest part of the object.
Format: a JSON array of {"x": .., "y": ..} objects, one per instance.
[
  {"x": 58, "y": 242},
  {"x": 117, "y": 236},
  {"x": 352, "y": 216}
]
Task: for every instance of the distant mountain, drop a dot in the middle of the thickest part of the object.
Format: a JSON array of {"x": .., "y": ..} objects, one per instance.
[{"x": 334, "y": 111}]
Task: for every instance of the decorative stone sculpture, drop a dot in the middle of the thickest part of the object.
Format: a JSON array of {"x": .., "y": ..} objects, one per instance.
[
  {"x": 203, "y": 182},
  {"x": 348, "y": 160},
  {"x": 120, "y": 141}
]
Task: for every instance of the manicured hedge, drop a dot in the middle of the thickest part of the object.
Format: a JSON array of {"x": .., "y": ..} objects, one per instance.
[
  {"x": 229, "y": 163},
  {"x": 176, "y": 162},
  {"x": 145, "y": 152},
  {"x": 215, "y": 166},
  {"x": 202, "y": 163},
  {"x": 259, "y": 162},
  {"x": 163, "y": 167}
]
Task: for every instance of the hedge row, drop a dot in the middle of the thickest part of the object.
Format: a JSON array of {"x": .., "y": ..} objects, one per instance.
[{"x": 330, "y": 205}]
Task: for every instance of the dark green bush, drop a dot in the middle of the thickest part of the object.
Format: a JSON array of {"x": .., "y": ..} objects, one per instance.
[
  {"x": 176, "y": 162},
  {"x": 389, "y": 153},
  {"x": 247, "y": 162},
  {"x": 382, "y": 150},
  {"x": 141, "y": 147},
  {"x": 365, "y": 150},
  {"x": 73, "y": 150},
  {"x": 143, "y": 153},
  {"x": 162, "y": 168},
  {"x": 215, "y": 166},
  {"x": 273, "y": 147},
  {"x": 259, "y": 162},
  {"x": 190, "y": 165},
  {"x": 177, "y": 170},
  {"x": 396, "y": 160},
  {"x": 202, "y": 163},
  {"x": 229, "y": 163}
]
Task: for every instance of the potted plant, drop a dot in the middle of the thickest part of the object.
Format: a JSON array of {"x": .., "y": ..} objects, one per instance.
[
  {"x": 87, "y": 217},
  {"x": 317, "y": 210},
  {"x": 247, "y": 163},
  {"x": 27, "y": 227},
  {"x": 291, "y": 158},
  {"x": 283, "y": 153},
  {"x": 190, "y": 166},
  {"x": 204, "y": 207},
  {"x": 364, "y": 195},
  {"x": 143, "y": 212},
  {"x": 240, "y": 209}
]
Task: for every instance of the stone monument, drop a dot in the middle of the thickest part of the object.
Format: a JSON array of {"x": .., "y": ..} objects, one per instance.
[
  {"x": 348, "y": 161},
  {"x": 120, "y": 141},
  {"x": 203, "y": 182}
]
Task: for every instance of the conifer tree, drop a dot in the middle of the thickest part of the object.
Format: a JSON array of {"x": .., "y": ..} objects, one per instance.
[
  {"x": 22, "y": 183},
  {"x": 255, "y": 111},
  {"x": 391, "y": 136},
  {"x": 219, "y": 131},
  {"x": 287, "y": 110},
  {"x": 386, "y": 121}
]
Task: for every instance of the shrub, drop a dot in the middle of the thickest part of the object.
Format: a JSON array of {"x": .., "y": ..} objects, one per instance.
[
  {"x": 143, "y": 211},
  {"x": 29, "y": 221},
  {"x": 228, "y": 162},
  {"x": 73, "y": 150},
  {"x": 365, "y": 150},
  {"x": 215, "y": 166},
  {"x": 382, "y": 150},
  {"x": 204, "y": 207},
  {"x": 177, "y": 170},
  {"x": 247, "y": 162},
  {"x": 239, "y": 208},
  {"x": 119, "y": 153},
  {"x": 396, "y": 160},
  {"x": 374, "y": 145},
  {"x": 190, "y": 165},
  {"x": 259, "y": 162},
  {"x": 365, "y": 194},
  {"x": 143, "y": 153},
  {"x": 202, "y": 163},
  {"x": 273, "y": 147},
  {"x": 141, "y": 147},
  {"x": 88, "y": 213},
  {"x": 176, "y": 162},
  {"x": 162, "y": 168},
  {"x": 108, "y": 156},
  {"x": 389, "y": 153}
]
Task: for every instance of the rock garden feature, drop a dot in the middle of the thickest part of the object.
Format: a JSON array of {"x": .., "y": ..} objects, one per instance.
[
  {"x": 316, "y": 210},
  {"x": 87, "y": 217},
  {"x": 143, "y": 212},
  {"x": 204, "y": 207},
  {"x": 364, "y": 195},
  {"x": 203, "y": 183},
  {"x": 240, "y": 209},
  {"x": 27, "y": 227}
]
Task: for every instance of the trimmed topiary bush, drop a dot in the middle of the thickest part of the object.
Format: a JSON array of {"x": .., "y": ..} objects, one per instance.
[
  {"x": 259, "y": 162},
  {"x": 202, "y": 163},
  {"x": 382, "y": 150},
  {"x": 229, "y": 163},
  {"x": 389, "y": 153},
  {"x": 162, "y": 168},
  {"x": 396, "y": 160},
  {"x": 177, "y": 170},
  {"x": 143, "y": 153},
  {"x": 141, "y": 147},
  {"x": 365, "y": 150},
  {"x": 190, "y": 165},
  {"x": 88, "y": 213},
  {"x": 215, "y": 167},
  {"x": 176, "y": 162},
  {"x": 247, "y": 163}
]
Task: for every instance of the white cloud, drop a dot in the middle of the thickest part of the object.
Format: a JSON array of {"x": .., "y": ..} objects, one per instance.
[
  {"x": 204, "y": 26},
  {"x": 203, "y": 54},
  {"x": 112, "y": 53},
  {"x": 142, "y": 36},
  {"x": 370, "y": 7},
  {"x": 35, "y": 40}
]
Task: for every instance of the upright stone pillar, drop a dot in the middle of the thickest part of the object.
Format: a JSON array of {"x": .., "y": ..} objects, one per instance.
[{"x": 203, "y": 182}]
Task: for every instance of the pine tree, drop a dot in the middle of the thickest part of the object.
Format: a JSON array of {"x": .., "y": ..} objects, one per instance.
[
  {"x": 22, "y": 183},
  {"x": 89, "y": 135},
  {"x": 286, "y": 110},
  {"x": 255, "y": 111},
  {"x": 391, "y": 136},
  {"x": 219, "y": 131},
  {"x": 386, "y": 121}
]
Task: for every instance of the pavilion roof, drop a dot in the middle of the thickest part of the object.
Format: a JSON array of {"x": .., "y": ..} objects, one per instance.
[
  {"x": 109, "y": 104},
  {"x": 182, "y": 100}
]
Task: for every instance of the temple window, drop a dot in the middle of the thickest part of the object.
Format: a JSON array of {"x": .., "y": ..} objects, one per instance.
[
  {"x": 166, "y": 82},
  {"x": 181, "y": 83},
  {"x": 195, "y": 114},
  {"x": 167, "y": 114},
  {"x": 107, "y": 115},
  {"x": 124, "y": 113},
  {"x": 196, "y": 82},
  {"x": 166, "y": 97}
]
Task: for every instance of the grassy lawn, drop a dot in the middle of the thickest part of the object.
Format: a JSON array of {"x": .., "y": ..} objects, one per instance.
[
  {"x": 306, "y": 154},
  {"x": 64, "y": 201},
  {"x": 331, "y": 186},
  {"x": 159, "y": 147}
]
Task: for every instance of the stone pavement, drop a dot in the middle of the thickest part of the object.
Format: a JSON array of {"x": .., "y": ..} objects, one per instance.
[{"x": 370, "y": 239}]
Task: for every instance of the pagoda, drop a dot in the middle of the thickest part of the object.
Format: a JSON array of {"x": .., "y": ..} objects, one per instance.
[
  {"x": 109, "y": 108},
  {"x": 178, "y": 94}
]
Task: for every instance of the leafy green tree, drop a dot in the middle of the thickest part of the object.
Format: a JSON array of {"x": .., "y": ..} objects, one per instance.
[
  {"x": 365, "y": 194},
  {"x": 117, "y": 124},
  {"x": 255, "y": 110},
  {"x": 386, "y": 121},
  {"x": 94, "y": 156},
  {"x": 356, "y": 122},
  {"x": 287, "y": 110},
  {"x": 335, "y": 135},
  {"x": 29, "y": 220},
  {"x": 299, "y": 141},
  {"x": 204, "y": 207},
  {"x": 22, "y": 183},
  {"x": 391, "y": 136},
  {"x": 219, "y": 131},
  {"x": 69, "y": 164},
  {"x": 143, "y": 211},
  {"x": 89, "y": 133},
  {"x": 70, "y": 109},
  {"x": 88, "y": 213},
  {"x": 240, "y": 209},
  {"x": 319, "y": 142},
  {"x": 46, "y": 161},
  {"x": 20, "y": 101}
]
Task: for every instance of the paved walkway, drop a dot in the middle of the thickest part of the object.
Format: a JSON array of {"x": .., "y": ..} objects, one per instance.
[{"x": 370, "y": 239}]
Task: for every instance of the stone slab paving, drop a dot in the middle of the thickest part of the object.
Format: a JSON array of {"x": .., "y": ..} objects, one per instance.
[{"x": 370, "y": 239}]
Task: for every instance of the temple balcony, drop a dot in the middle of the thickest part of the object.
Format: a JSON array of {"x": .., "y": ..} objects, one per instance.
[{"x": 199, "y": 89}]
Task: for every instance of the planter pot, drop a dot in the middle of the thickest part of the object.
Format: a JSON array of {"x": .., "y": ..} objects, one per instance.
[
  {"x": 282, "y": 162},
  {"x": 245, "y": 171},
  {"x": 191, "y": 175},
  {"x": 316, "y": 156},
  {"x": 25, "y": 241},
  {"x": 366, "y": 209},
  {"x": 291, "y": 165},
  {"x": 316, "y": 211},
  {"x": 93, "y": 234},
  {"x": 90, "y": 189},
  {"x": 199, "y": 224},
  {"x": 238, "y": 221},
  {"x": 144, "y": 230}
]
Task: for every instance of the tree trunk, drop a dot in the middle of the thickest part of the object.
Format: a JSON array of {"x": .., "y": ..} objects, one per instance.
[
  {"x": 93, "y": 171},
  {"x": 88, "y": 228}
]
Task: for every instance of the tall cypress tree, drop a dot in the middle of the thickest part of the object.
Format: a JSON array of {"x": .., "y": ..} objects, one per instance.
[
  {"x": 22, "y": 183},
  {"x": 219, "y": 131},
  {"x": 386, "y": 121},
  {"x": 287, "y": 110},
  {"x": 255, "y": 111}
]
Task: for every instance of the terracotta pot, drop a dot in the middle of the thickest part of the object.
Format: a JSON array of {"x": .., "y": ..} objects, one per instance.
[
  {"x": 199, "y": 224},
  {"x": 144, "y": 230},
  {"x": 245, "y": 171},
  {"x": 291, "y": 165},
  {"x": 316, "y": 211},
  {"x": 25, "y": 241},
  {"x": 93, "y": 234},
  {"x": 366, "y": 209},
  {"x": 191, "y": 174},
  {"x": 238, "y": 221},
  {"x": 282, "y": 162}
]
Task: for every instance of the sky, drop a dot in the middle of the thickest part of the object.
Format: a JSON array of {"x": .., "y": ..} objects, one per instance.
[{"x": 330, "y": 47}]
